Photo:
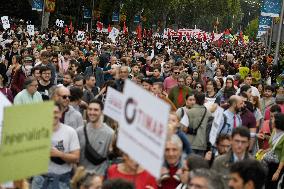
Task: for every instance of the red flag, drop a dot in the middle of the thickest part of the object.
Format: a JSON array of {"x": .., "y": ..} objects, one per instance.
[
  {"x": 180, "y": 36},
  {"x": 199, "y": 36},
  {"x": 144, "y": 33},
  {"x": 99, "y": 26},
  {"x": 109, "y": 29},
  {"x": 212, "y": 36},
  {"x": 241, "y": 37},
  {"x": 71, "y": 27},
  {"x": 204, "y": 37},
  {"x": 124, "y": 28},
  {"x": 66, "y": 30},
  {"x": 139, "y": 32}
]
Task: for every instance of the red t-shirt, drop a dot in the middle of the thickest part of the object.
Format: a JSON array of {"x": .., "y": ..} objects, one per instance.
[{"x": 141, "y": 180}]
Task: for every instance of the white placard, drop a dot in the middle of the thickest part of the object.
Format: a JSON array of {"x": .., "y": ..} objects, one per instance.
[
  {"x": 4, "y": 102},
  {"x": 5, "y": 22},
  {"x": 113, "y": 34},
  {"x": 143, "y": 127},
  {"x": 31, "y": 29},
  {"x": 80, "y": 36},
  {"x": 59, "y": 23},
  {"x": 113, "y": 104},
  {"x": 218, "y": 116}
]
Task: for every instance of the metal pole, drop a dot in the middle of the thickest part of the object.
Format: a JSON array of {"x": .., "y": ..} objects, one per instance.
[
  {"x": 270, "y": 38},
  {"x": 42, "y": 16},
  {"x": 93, "y": 5},
  {"x": 279, "y": 35}
]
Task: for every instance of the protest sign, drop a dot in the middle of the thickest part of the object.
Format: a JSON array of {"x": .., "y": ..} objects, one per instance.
[
  {"x": 80, "y": 36},
  {"x": 218, "y": 116},
  {"x": 31, "y": 29},
  {"x": 5, "y": 22},
  {"x": 59, "y": 23},
  {"x": 4, "y": 102},
  {"x": 113, "y": 34},
  {"x": 143, "y": 127},
  {"x": 26, "y": 139},
  {"x": 113, "y": 104}
]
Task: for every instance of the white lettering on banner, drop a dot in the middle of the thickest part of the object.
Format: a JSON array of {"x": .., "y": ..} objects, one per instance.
[
  {"x": 143, "y": 127},
  {"x": 113, "y": 104}
]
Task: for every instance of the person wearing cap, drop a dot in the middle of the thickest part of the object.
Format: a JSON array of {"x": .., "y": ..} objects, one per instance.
[{"x": 29, "y": 94}]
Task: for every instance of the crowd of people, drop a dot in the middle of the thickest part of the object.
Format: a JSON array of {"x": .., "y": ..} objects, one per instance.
[{"x": 194, "y": 77}]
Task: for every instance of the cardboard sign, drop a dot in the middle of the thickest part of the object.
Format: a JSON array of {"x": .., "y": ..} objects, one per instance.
[
  {"x": 80, "y": 36},
  {"x": 4, "y": 102},
  {"x": 218, "y": 115},
  {"x": 5, "y": 22},
  {"x": 26, "y": 140},
  {"x": 31, "y": 29},
  {"x": 113, "y": 104},
  {"x": 113, "y": 34},
  {"x": 143, "y": 127},
  {"x": 59, "y": 23}
]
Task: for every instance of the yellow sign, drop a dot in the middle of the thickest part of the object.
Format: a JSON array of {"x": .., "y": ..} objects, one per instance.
[{"x": 26, "y": 140}]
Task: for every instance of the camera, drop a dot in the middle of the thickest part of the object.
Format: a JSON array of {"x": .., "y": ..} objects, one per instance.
[{"x": 192, "y": 131}]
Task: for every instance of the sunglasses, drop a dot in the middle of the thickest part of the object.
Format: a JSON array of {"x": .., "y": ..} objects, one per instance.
[
  {"x": 176, "y": 72},
  {"x": 167, "y": 67},
  {"x": 65, "y": 97},
  {"x": 198, "y": 87}
]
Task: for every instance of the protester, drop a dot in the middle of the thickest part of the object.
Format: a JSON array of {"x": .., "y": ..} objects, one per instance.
[
  {"x": 239, "y": 151},
  {"x": 65, "y": 150},
  {"x": 86, "y": 180},
  {"x": 197, "y": 131},
  {"x": 172, "y": 169},
  {"x": 275, "y": 164},
  {"x": 204, "y": 178},
  {"x": 70, "y": 116},
  {"x": 95, "y": 136},
  {"x": 131, "y": 171},
  {"x": 247, "y": 174},
  {"x": 178, "y": 93},
  {"x": 29, "y": 94}
]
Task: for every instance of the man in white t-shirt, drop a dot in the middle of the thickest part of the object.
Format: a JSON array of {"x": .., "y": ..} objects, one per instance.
[{"x": 65, "y": 150}]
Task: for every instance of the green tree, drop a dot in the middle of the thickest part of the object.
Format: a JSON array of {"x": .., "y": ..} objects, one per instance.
[{"x": 251, "y": 29}]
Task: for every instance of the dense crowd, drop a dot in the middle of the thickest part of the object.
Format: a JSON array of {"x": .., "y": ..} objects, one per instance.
[{"x": 196, "y": 78}]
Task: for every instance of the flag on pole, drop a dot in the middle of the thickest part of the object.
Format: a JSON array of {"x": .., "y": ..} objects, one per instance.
[
  {"x": 66, "y": 30},
  {"x": 124, "y": 28},
  {"x": 139, "y": 32},
  {"x": 71, "y": 27},
  {"x": 109, "y": 29},
  {"x": 99, "y": 26}
]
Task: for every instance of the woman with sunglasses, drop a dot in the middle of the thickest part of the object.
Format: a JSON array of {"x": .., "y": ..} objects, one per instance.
[
  {"x": 86, "y": 180},
  {"x": 199, "y": 87}
]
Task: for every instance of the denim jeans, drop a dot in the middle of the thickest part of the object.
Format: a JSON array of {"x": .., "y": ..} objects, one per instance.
[{"x": 43, "y": 182}]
